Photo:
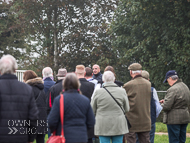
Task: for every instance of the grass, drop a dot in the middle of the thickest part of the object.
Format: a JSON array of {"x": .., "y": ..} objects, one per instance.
[
  {"x": 164, "y": 139},
  {"x": 160, "y": 127}
]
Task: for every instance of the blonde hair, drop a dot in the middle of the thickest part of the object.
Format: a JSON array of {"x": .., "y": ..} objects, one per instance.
[{"x": 80, "y": 69}]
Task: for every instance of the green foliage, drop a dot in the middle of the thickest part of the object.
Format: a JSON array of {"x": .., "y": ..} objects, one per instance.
[
  {"x": 11, "y": 32},
  {"x": 154, "y": 33},
  {"x": 66, "y": 33}
]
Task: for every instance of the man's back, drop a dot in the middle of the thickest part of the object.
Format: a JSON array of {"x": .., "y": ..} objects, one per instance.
[
  {"x": 139, "y": 95},
  {"x": 53, "y": 92},
  {"x": 18, "y": 111},
  {"x": 48, "y": 83},
  {"x": 86, "y": 88}
]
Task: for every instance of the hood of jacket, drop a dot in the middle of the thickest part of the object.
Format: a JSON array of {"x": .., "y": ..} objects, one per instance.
[{"x": 38, "y": 82}]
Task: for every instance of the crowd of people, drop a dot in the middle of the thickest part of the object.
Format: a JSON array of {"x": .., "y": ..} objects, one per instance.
[{"x": 97, "y": 107}]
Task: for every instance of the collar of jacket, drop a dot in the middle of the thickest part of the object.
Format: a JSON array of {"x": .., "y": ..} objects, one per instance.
[
  {"x": 8, "y": 76},
  {"x": 97, "y": 74},
  {"x": 34, "y": 81},
  {"x": 137, "y": 76},
  {"x": 110, "y": 84},
  {"x": 47, "y": 79},
  {"x": 178, "y": 81},
  {"x": 71, "y": 91},
  {"x": 82, "y": 79},
  {"x": 59, "y": 81}
]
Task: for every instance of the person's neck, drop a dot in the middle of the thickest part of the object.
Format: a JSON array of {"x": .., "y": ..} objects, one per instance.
[
  {"x": 172, "y": 82},
  {"x": 80, "y": 76},
  {"x": 88, "y": 77},
  {"x": 134, "y": 75},
  {"x": 97, "y": 74}
]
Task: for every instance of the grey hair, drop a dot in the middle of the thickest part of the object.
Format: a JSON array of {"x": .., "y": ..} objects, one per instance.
[
  {"x": 8, "y": 64},
  {"x": 136, "y": 72},
  {"x": 174, "y": 77},
  {"x": 47, "y": 72},
  {"x": 108, "y": 76}
]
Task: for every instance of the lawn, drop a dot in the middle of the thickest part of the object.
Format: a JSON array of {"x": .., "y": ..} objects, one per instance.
[
  {"x": 160, "y": 127},
  {"x": 164, "y": 139}
]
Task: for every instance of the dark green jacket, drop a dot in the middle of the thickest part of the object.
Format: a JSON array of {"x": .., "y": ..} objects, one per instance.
[{"x": 176, "y": 103}]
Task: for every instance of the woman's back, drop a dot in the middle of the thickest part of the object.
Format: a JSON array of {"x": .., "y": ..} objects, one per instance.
[{"x": 78, "y": 116}]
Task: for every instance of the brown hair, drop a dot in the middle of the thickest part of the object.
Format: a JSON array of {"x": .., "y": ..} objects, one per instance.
[
  {"x": 71, "y": 82},
  {"x": 89, "y": 71},
  {"x": 110, "y": 68},
  {"x": 29, "y": 74}
]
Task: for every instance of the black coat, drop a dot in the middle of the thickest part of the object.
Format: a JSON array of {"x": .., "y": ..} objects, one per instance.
[
  {"x": 53, "y": 92},
  {"x": 18, "y": 111},
  {"x": 87, "y": 89},
  {"x": 98, "y": 77},
  {"x": 40, "y": 98}
]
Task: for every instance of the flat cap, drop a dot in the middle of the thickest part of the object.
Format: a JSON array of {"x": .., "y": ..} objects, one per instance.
[
  {"x": 135, "y": 67},
  {"x": 145, "y": 74}
]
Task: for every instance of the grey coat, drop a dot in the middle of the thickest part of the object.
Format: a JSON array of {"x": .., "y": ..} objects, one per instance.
[
  {"x": 110, "y": 119},
  {"x": 176, "y": 104}
]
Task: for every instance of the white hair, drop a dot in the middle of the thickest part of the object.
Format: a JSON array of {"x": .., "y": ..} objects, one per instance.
[
  {"x": 136, "y": 72},
  {"x": 47, "y": 72},
  {"x": 108, "y": 76},
  {"x": 8, "y": 64}
]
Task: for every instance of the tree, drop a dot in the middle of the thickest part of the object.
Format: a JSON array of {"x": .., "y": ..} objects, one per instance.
[
  {"x": 11, "y": 33},
  {"x": 154, "y": 33},
  {"x": 66, "y": 33}
]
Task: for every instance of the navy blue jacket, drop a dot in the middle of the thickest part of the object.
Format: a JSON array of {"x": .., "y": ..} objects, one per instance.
[
  {"x": 78, "y": 116},
  {"x": 48, "y": 82},
  {"x": 18, "y": 111}
]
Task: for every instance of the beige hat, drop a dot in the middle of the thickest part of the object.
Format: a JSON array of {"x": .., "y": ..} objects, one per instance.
[
  {"x": 145, "y": 74},
  {"x": 62, "y": 73},
  {"x": 135, "y": 67}
]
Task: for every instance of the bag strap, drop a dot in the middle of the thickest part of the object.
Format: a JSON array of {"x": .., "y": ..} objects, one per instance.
[
  {"x": 115, "y": 100},
  {"x": 50, "y": 104},
  {"x": 62, "y": 113},
  {"x": 38, "y": 95}
]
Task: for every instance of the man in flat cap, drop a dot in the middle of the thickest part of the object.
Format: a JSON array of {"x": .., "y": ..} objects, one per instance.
[
  {"x": 175, "y": 106},
  {"x": 139, "y": 94}
]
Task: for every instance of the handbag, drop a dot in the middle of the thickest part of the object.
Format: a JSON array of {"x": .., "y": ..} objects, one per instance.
[
  {"x": 59, "y": 139},
  {"x": 128, "y": 123}
]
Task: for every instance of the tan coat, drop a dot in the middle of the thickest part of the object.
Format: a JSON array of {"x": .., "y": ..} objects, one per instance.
[
  {"x": 176, "y": 104},
  {"x": 110, "y": 119},
  {"x": 139, "y": 95}
]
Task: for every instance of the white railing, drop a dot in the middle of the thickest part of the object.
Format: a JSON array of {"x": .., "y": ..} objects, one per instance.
[{"x": 19, "y": 74}]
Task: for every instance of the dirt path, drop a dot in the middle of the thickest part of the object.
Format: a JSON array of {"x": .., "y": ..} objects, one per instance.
[{"x": 162, "y": 133}]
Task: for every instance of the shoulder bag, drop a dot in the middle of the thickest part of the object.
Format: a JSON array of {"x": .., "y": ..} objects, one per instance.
[
  {"x": 128, "y": 123},
  {"x": 59, "y": 139}
]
